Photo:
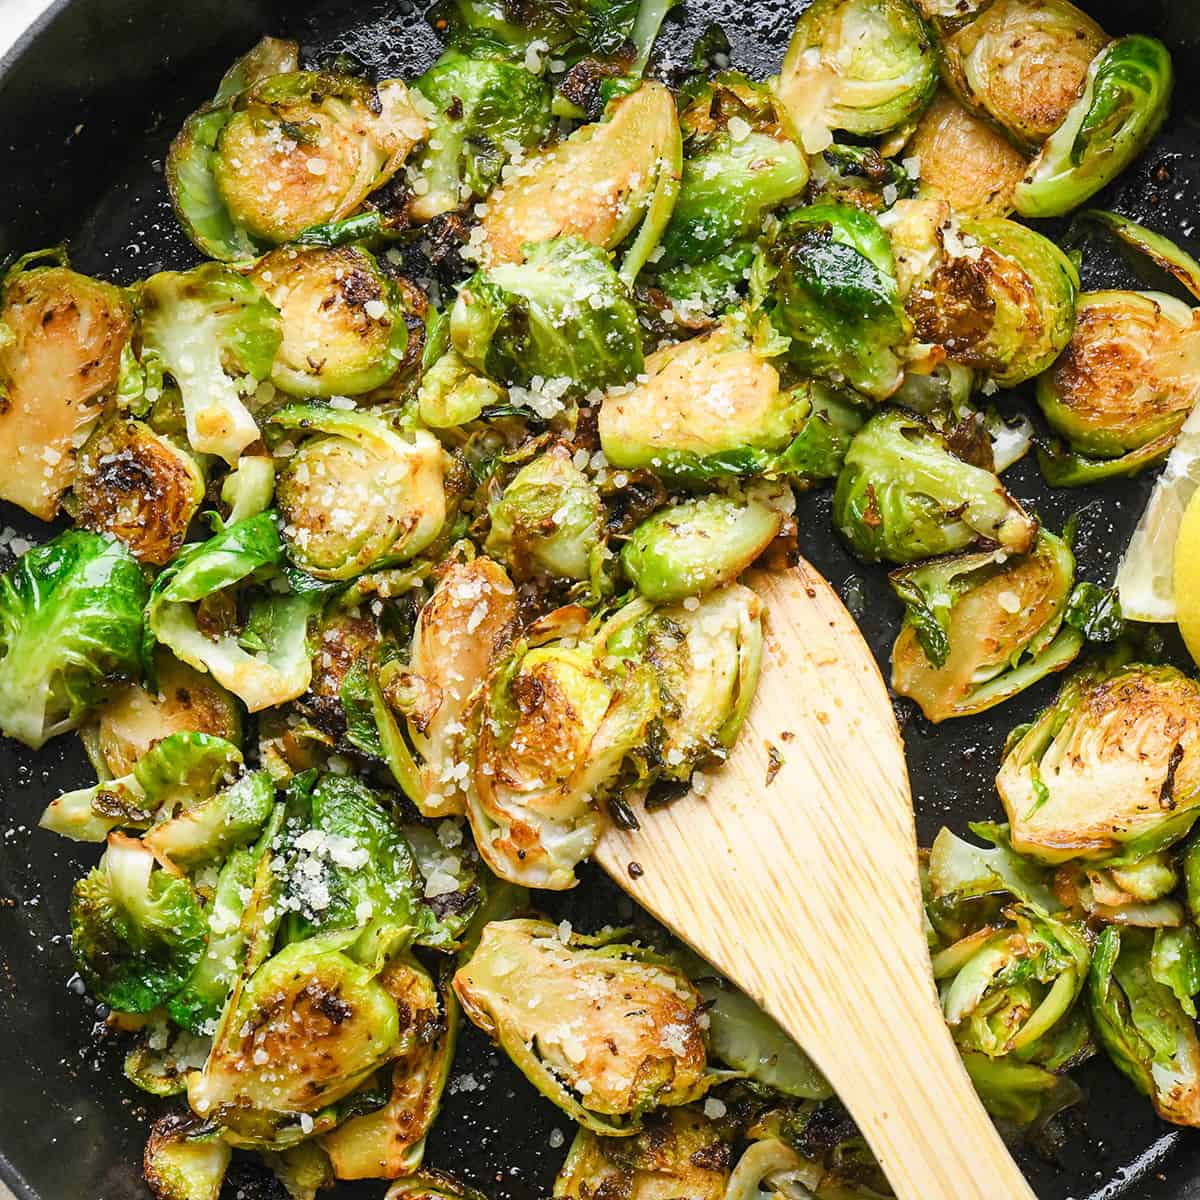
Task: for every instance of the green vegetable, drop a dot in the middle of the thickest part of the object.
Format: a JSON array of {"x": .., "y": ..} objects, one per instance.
[
  {"x": 453, "y": 393},
  {"x": 208, "y": 830},
  {"x": 184, "y": 1161}
]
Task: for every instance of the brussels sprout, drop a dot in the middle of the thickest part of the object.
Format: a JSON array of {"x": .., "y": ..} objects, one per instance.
[
  {"x": 1107, "y": 772},
  {"x": 959, "y": 871},
  {"x": 561, "y": 316},
  {"x": 865, "y": 66},
  {"x": 1125, "y": 384},
  {"x": 698, "y": 545},
  {"x": 279, "y": 150},
  {"x": 679, "y": 1152},
  {"x": 453, "y": 393},
  {"x": 484, "y": 108},
  {"x": 161, "y": 1058},
  {"x": 1133, "y": 895},
  {"x": 431, "y": 1185},
  {"x": 548, "y": 519},
  {"x": 303, "y": 1169},
  {"x": 992, "y": 294},
  {"x": 249, "y": 488},
  {"x": 833, "y": 291},
  {"x": 903, "y": 496},
  {"x": 64, "y": 339},
  {"x": 343, "y": 329},
  {"x": 613, "y": 1031},
  {"x": 264, "y": 661},
  {"x": 964, "y": 161},
  {"x": 771, "y": 1167},
  {"x": 705, "y": 659},
  {"x": 183, "y": 1161},
  {"x": 70, "y": 629},
  {"x": 1162, "y": 252},
  {"x": 1175, "y": 963},
  {"x": 305, "y": 1030},
  {"x": 138, "y": 486},
  {"x": 215, "y": 333},
  {"x": 469, "y": 618},
  {"x": 859, "y": 176},
  {"x": 1143, "y": 1027},
  {"x": 1023, "y": 1094},
  {"x": 210, "y": 829},
  {"x": 982, "y": 627},
  {"x": 361, "y": 496},
  {"x": 137, "y": 933},
  {"x": 1023, "y": 64},
  {"x": 598, "y": 185},
  {"x": 1122, "y": 106}
]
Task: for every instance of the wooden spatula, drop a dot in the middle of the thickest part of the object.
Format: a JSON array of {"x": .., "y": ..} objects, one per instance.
[{"x": 795, "y": 874}]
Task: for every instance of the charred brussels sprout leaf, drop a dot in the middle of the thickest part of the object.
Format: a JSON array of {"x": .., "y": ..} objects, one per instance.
[
  {"x": 215, "y": 333},
  {"x": 561, "y": 316},
  {"x": 184, "y": 1161},
  {"x": 1161, "y": 251},
  {"x": 592, "y": 999},
  {"x": 431, "y": 1185},
  {"x": 1122, "y": 106},
  {"x": 865, "y": 66},
  {"x": 982, "y": 627},
  {"x": 1109, "y": 771},
  {"x": 1023, "y": 64},
  {"x": 902, "y": 496},
  {"x": 208, "y": 830},
  {"x": 343, "y": 329},
  {"x": 70, "y": 629},
  {"x": 137, "y": 931}
]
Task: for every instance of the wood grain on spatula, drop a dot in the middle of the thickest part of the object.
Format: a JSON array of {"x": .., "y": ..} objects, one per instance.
[{"x": 795, "y": 874}]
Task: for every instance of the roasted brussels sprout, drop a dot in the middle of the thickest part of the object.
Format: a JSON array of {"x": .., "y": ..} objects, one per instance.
[
  {"x": 1023, "y": 64},
  {"x": 613, "y": 1031},
  {"x": 698, "y": 545},
  {"x": 184, "y": 1161},
  {"x": 279, "y": 150},
  {"x": 1109, "y": 771},
  {"x": 903, "y": 496},
  {"x": 832, "y": 290},
  {"x": 1123, "y": 387},
  {"x": 63, "y": 341},
  {"x": 1161, "y": 251},
  {"x": 1122, "y": 106},
  {"x": 137, "y": 931},
  {"x": 485, "y": 110},
  {"x": 208, "y": 830},
  {"x": 343, "y": 322},
  {"x": 865, "y": 66},
  {"x": 982, "y": 627},
  {"x": 70, "y": 630},
  {"x": 598, "y": 185},
  {"x": 249, "y": 488},
  {"x": 360, "y": 494},
  {"x": 548, "y": 519},
  {"x": 560, "y": 318},
  {"x": 138, "y": 486},
  {"x": 215, "y": 333},
  {"x": 1142, "y": 1025},
  {"x": 1133, "y": 895},
  {"x": 453, "y": 393},
  {"x": 678, "y": 1152},
  {"x": 431, "y": 1185},
  {"x": 964, "y": 161}
]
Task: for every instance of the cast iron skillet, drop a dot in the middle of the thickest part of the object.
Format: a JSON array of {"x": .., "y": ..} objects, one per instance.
[{"x": 89, "y": 100}]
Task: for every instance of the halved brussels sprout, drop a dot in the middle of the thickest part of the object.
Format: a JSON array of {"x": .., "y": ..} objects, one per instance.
[
  {"x": 1121, "y": 109},
  {"x": 679, "y": 1152},
  {"x": 1125, "y": 384},
  {"x": 705, "y": 658},
  {"x": 215, "y": 333},
  {"x": 548, "y": 519},
  {"x": 698, "y": 545},
  {"x": 453, "y": 393},
  {"x": 982, "y": 627},
  {"x": 303, "y": 1031},
  {"x": 964, "y": 161},
  {"x": 605, "y": 1031},
  {"x": 469, "y": 619},
  {"x": 560, "y": 317},
  {"x": 279, "y": 150},
  {"x": 138, "y": 486},
  {"x": 361, "y": 495},
  {"x": 1133, "y": 895},
  {"x": 865, "y": 66},
  {"x": 599, "y": 185},
  {"x": 63, "y": 338},
  {"x": 342, "y": 318},
  {"x": 992, "y": 294},
  {"x": 1023, "y": 63},
  {"x": 184, "y": 1160},
  {"x": 903, "y": 496},
  {"x": 1110, "y": 771},
  {"x": 830, "y": 282},
  {"x": 553, "y": 733}
]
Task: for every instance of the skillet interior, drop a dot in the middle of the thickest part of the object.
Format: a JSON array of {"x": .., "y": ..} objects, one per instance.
[{"x": 88, "y": 103}]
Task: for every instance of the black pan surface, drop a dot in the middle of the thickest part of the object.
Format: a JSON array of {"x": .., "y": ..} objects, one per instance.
[{"x": 89, "y": 100}]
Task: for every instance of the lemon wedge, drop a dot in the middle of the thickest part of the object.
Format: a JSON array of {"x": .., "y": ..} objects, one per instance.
[
  {"x": 1146, "y": 579},
  {"x": 1187, "y": 577}
]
